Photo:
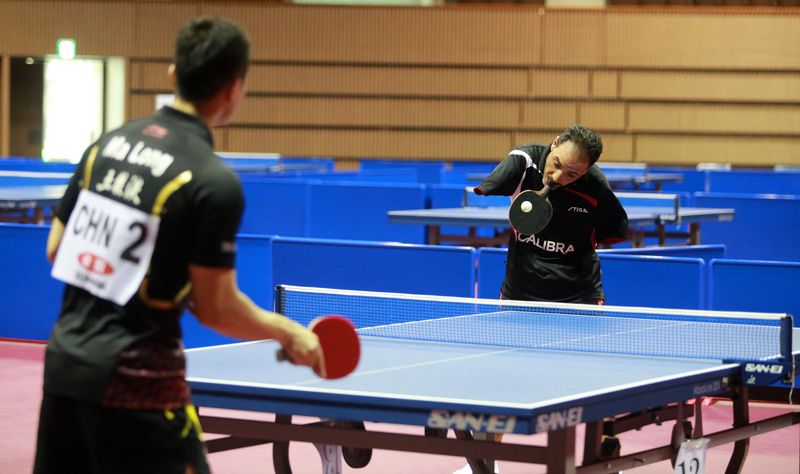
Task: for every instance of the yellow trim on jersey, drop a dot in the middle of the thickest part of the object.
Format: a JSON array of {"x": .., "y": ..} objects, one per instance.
[
  {"x": 191, "y": 413},
  {"x": 87, "y": 172},
  {"x": 174, "y": 185},
  {"x": 158, "y": 207},
  {"x": 192, "y": 421},
  {"x": 162, "y": 304}
]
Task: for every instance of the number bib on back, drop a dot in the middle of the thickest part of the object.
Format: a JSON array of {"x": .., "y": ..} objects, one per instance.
[{"x": 106, "y": 247}]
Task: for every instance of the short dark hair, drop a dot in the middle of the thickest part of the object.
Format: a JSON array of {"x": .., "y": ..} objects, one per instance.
[
  {"x": 210, "y": 52},
  {"x": 587, "y": 140}
]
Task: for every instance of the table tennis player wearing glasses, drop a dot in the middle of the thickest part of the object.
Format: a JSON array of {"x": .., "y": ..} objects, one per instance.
[
  {"x": 559, "y": 262},
  {"x": 148, "y": 224}
]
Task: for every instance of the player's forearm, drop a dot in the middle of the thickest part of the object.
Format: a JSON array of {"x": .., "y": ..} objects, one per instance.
[
  {"x": 240, "y": 318},
  {"x": 54, "y": 238}
]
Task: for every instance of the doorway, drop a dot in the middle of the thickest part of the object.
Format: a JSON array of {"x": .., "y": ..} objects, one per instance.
[{"x": 58, "y": 107}]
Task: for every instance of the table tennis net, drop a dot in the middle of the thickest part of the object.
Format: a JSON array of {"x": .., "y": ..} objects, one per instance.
[{"x": 548, "y": 326}]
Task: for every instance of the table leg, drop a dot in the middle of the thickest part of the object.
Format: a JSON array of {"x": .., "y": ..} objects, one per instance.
[
  {"x": 662, "y": 234},
  {"x": 38, "y": 215},
  {"x": 741, "y": 417},
  {"x": 434, "y": 234},
  {"x": 280, "y": 449},
  {"x": 593, "y": 444},
  {"x": 694, "y": 233},
  {"x": 561, "y": 451}
]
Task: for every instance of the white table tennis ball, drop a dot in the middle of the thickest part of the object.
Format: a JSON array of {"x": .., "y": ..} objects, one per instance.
[{"x": 526, "y": 206}]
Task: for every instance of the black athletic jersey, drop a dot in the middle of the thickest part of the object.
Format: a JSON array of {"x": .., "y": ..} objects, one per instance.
[
  {"x": 131, "y": 355},
  {"x": 559, "y": 263}
]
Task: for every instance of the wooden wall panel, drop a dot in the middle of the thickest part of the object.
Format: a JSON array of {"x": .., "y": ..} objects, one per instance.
[
  {"x": 602, "y": 115},
  {"x": 559, "y": 83},
  {"x": 573, "y": 37},
  {"x": 745, "y": 151},
  {"x": 354, "y": 112},
  {"x": 457, "y": 82},
  {"x": 141, "y": 105},
  {"x": 151, "y": 76},
  {"x": 715, "y": 118},
  {"x": 158, "y": 24},
  {"x": 371, "y": 143},
  {"x": 388, "y": 80},
  {"x": 525, "y": 137},
  {"x": 617, "y": 147},
  {"x": 5, "y": 105},
  {"x": 365, "y": 80},
  {"x": 405, "y": 35},
  {"x": 220, "y": 137},
  {"x": 605, "y": 84},
  {"x": 703, "y": 40},
  {"x": 31, "y": 27},
  {"x": 711, "y": 86},
  {"x": 549, "y": 115}
]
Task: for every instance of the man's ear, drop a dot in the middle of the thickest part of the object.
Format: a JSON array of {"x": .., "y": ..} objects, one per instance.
[
  {"x": 233, "y": 89},
  {"x": 173, "y": 76},
  {"x": 553, "y": 145}
]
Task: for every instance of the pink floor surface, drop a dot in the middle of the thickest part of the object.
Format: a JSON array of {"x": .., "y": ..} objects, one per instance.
[{"x": 21, "y": 371}]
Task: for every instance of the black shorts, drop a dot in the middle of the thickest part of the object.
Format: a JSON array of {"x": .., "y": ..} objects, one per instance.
[{"x": 83, "y": 438}]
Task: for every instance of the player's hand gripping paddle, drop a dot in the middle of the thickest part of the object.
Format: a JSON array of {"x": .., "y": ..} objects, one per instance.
[
  {"x": 531, "y": 211},
  {"x": 340, "y": 345}
]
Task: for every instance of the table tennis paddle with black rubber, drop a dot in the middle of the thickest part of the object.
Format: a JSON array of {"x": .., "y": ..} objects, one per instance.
[
  {"x": 531, "y": 211},
  {"x": 341, "y": 348}
]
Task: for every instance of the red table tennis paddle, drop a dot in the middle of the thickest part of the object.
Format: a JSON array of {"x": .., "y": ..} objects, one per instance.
[
  {"x": 340, "y": 345},
  {"x": 531, "y": 211}
]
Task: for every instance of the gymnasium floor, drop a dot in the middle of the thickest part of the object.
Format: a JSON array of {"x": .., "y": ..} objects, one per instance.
[{"x": 21, "y": 372}]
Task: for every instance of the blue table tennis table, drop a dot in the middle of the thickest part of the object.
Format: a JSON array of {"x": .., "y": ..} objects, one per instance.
[
  {"x": 649, "y": 214},
  {"x": 487, "y": 366},
  {"x": 28, "y": 204}
]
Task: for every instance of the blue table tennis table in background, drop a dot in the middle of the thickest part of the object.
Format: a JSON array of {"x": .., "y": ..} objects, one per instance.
[
  {"x": 479, "y": 366},
  {"x": 649, "y": 214},
  {"x": 28, "y": 204}
]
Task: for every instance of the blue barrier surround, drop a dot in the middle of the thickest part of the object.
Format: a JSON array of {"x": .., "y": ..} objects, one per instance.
[
  {"x": 377, "y": 266},
  {"x": 491, "y": 271},
  {"x": 31, "y": 297},
  {"x": 654, "y": 281},
  {"x": 754, "y": 285},
  {"x": 275, "y": 206},
  {"x": 706, "y": 252},
  {"x": 628, "y": 280},
  {"x": 753, "y": 181},
  {"x": 359, "y": 210},
  {"x": 765, "y": 226},
  {"x": 428, "y": 172},
  {"x": 254, "y": 275}
]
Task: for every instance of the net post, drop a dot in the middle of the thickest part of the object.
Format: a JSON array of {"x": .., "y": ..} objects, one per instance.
[
  {"x": 787, "y": 327},
  {"x": 278, "y": 304}
]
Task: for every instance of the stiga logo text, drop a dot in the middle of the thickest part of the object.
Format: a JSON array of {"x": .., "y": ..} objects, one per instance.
[
  {"x": 559, "y": 419},
  {"x": 472, "y": 421},
  {"x": 764, "y": 368}
]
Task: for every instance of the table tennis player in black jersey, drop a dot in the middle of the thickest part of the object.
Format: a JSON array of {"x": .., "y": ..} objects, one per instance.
[
  {"x": 559, "y": 263},
  {"x": 146, "y": 229}
]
